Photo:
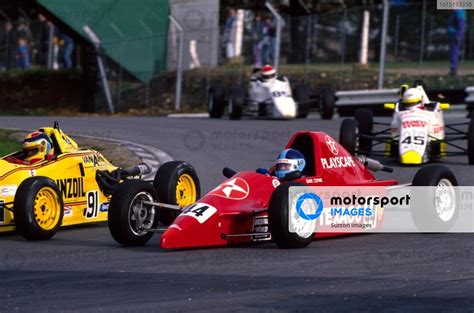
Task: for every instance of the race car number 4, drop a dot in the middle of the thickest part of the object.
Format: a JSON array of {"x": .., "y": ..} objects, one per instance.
[{"x": 200, "y": 211}]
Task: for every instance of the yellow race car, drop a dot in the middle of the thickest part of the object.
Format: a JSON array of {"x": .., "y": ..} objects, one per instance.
[{"x": 70, "y": 186}]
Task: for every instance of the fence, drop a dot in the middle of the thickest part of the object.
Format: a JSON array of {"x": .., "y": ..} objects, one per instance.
[{"x": 316, "y": 49}]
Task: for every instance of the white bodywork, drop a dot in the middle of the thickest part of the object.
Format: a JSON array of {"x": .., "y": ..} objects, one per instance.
[
  {"x": 414, "y": 128},
  {"x": 276, "y": 94}
]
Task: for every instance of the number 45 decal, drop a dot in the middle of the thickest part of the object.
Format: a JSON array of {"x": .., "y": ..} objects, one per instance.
[
  {"x": 200, "y": 211},
  {"x": 416, "y": 140}
]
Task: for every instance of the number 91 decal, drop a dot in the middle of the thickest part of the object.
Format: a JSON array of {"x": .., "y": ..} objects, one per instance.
[{"x": 92, "y": 210}]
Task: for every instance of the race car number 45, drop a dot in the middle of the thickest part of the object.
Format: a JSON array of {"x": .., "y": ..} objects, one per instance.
[{"x": 200, "y": 211}]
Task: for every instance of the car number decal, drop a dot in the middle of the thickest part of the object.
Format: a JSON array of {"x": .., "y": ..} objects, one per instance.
[
  {"x": 93, "y": 204},
  {"x": 200, "y": 211}
]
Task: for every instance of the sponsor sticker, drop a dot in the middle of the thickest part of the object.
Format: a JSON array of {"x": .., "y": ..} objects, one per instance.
[
  {"x": 276, "y": 183},
  {"x": 104, "y": 207},
  {"x": 68, "y": 211},
  {"x": 235, "y": 189},
  {"x": 332, "y": 145},
  {"x": 8, "y": 191},
  {"x": 260, "y": 225},
  {"x": 337, "y": 162}
]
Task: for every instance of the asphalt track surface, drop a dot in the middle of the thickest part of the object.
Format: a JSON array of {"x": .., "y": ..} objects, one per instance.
[{"x": 84, "y": 270}]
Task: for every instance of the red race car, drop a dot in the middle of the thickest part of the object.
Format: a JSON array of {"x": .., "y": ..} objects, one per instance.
[{"x": 249, "y": 206}]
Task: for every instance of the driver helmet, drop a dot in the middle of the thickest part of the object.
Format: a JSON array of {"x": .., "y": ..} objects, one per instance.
[
  {"x": 37, "y": 146},
  {"x": 412, "y": 98},
  {"x": 288, "y": 161},
  {"x": 268, "y": 73}
]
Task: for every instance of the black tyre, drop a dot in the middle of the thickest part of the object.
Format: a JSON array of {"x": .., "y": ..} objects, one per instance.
[
  {"x": 327, "y": 102},
  {"x": 348, "y": 135},
  {"x": 38, "y": 208},
  {"x": 128, "y": 218},
  {"x": 365, "y": 125},
  {"x": 301, "y": 95},
  {"x": 176, "y": 183},
  {"x": 236, "y": 103},
  {"x": 216, "y": 101},
  {"x": 278, "y": 219},
  {"x": 470, "y": 142},
  {"x": 427, "y": 214}
]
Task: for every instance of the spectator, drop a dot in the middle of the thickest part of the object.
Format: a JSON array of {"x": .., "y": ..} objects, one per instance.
[
  {"x": 67, "y": 47},
  {"x": 269, "y": 39},
  {"x": 45, "y": 28},
  {"x": 456, "y": 25},
  {"x": 23, "y": 54},
  {"x": 257, "y": 37},
  {"x": 8, "y": 47},
  {"x": 230, "y": 33}
]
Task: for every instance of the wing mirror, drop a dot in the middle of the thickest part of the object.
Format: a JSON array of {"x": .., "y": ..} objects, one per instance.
[
  {"x": 293, "y": 175},
  {"x": 228, "y": 172},
  {"x": 389, "y": 106},
  {"x": 444, "y": 106}
]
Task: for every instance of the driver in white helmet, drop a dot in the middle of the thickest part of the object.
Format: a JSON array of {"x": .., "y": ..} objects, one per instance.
[{"x": 413, "y": 99}]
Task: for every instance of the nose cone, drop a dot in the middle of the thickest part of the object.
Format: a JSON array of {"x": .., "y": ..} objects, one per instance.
[{"x": 187, "y": 232}]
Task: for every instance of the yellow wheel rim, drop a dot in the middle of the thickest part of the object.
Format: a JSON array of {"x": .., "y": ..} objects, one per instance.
[
  {"x": 46, "y": 208},
  {"x": 185, "y": 190}
]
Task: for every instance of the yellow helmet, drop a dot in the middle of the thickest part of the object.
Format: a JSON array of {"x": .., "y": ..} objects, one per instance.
[
  {"x": 37, "y": 146},
  {"x": 412, "y": 96}
]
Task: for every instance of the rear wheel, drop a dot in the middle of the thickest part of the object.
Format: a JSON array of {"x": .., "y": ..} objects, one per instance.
[
  {"x": 365, "y": 125},
  {"x": 348, "y": 135},
  {"x": 216, "y": 101},
  {"x": 327, "y": 102},
  {"x": 278, "y": 213},
  {"x": 38, "y": 208},
  {"x": 176, "y": 183},
  {"x": 301, "y": 95},
  {"x": 470, "y": 142},
  {"x": 437, "y": 208},
  {"x": 129, "y": 219},
  {"x": 236, "y": 103}
]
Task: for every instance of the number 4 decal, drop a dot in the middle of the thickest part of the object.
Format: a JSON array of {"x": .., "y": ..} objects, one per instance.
[{"x": 200, "y": 211}]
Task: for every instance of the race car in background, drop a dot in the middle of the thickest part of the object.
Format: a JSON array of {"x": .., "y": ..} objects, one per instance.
[
  {"x": 253, "y": 206},
  {"x": 268, "y": 95},
  {"x": 74, "y": 186},
  {"x": 417, "y": 133}
]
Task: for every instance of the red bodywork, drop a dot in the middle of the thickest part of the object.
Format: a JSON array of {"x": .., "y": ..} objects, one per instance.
[{"x": 243, "y": 200}]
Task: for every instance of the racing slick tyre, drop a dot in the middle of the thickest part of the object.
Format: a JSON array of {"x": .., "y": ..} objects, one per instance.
[
  {"x": 301, "y": 95},
  {"x": 129, "y": 219},
  {"x": 176, "y": 183},
  {"x": 236, "y": 103},
  {"x": 278, "y": 220},
  {"x": 327, "y": 102},
  {"x": 470, "y": 142},
  {"x": 216, "y": 101},
  {"x": 348, "y": 135},
  {"x": 38, "y": 208},
  {"x": 437, "y": 209},
  {"x": 365, "y": 125}
]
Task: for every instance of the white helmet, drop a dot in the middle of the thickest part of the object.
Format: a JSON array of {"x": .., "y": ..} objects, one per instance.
[{"x": 412, "y": 97}]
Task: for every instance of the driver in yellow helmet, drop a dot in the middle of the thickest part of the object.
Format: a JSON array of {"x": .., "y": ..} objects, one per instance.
[
  {"x": 37, "y": 147},
  {"x": 413, "y": 98}
]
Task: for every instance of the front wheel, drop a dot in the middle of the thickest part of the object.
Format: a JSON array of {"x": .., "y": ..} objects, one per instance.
[
  {"x": 327, "y": 102},
  {"x": 470, "y": 142},
  {"x": 130, "y": 220},
  {"x": 301, "y": 96},
  {"x": 348, "y": 135},
  {"x": 278, "y": 220},
  {"x": 236, "y": 103},
  {"x": 176, "y": 183},
  {"x": 216, "y": 101},
  {"x": 434, "y": 209},
  {"x": 365, "y": 125},
  {"x": 38, "y": 208}
]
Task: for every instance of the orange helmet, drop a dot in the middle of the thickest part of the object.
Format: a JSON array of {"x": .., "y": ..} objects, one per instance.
[{"x": 37, "y": 146}]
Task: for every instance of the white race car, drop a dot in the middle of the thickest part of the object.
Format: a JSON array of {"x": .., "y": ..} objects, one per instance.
[
  {"x": 267, "y": 96},
  {"x": 416, "y": 135}
]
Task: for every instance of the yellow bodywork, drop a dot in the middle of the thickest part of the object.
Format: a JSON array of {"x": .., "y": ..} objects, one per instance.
[
  {"x": 74, "y": 172},
  {"x": 411, "y": 157}
]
